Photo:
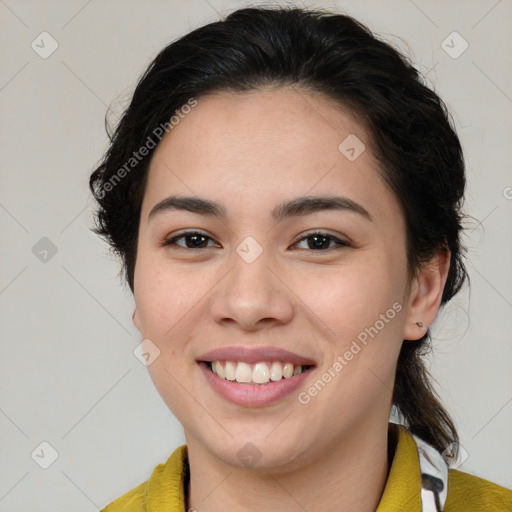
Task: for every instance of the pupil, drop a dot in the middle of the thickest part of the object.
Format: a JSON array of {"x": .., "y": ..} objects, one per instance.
[
  {"x": 315, "y": 245},
  {"x": 195, "y": 238}
]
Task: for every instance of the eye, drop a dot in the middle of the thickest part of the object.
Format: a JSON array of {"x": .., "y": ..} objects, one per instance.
[
  {"x": 196, "y": 239},
  {"x": 320, "y": 240}
]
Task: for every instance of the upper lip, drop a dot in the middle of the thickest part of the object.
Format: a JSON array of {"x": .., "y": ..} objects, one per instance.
[{"x": 252, "y": 355}]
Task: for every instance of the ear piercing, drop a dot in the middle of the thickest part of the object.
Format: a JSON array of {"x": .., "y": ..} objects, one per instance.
[{"x": 419, "y": 324}]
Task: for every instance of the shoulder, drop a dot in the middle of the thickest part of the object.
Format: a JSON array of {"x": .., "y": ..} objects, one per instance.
[
  {"x": 132, "y": 501},
  {"x": 164, "y": 489},
  {"x": 468, "y": 493}
]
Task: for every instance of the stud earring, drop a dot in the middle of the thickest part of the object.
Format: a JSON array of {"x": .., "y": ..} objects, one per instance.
[{"x": 419, "y": 324}]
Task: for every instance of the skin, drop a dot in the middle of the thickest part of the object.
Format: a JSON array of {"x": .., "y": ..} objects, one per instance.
[{"x": 249, "y": 152}]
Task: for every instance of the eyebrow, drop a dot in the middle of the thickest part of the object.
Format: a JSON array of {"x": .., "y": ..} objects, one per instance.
[{"x": 299, "y": 206}]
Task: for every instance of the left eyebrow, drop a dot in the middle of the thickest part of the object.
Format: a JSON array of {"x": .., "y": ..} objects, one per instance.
[
  {"x": 307, "y": 205},
  {"x": 299, "y": 206}
]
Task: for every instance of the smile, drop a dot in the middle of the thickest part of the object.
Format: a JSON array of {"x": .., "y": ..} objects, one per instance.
[
  {"x": 260, "y": 373},
  {"x": 254, "y": 376}
]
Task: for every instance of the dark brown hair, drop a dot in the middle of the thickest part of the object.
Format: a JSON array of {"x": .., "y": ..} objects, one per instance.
[{"x": 412, "y": 137}]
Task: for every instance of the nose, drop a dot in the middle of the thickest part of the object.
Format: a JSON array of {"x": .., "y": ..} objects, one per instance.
[{"x": 253, "y": 295}]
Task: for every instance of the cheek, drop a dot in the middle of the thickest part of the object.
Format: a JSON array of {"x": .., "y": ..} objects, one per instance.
[
  {"x": 349, "y": 299},
  {"x": 362, "y": 308},
  {"x": 168, "y": 303},
  {"x": 166, "y": 295},
  {"x": 361, "y": 305}
]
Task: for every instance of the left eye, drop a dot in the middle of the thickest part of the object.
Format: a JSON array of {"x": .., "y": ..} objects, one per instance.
[
  {"x": 319, "y": 239},
  {"x": 197, "y": 240}
]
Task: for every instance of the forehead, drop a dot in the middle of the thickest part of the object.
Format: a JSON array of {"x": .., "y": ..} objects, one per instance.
[
  {"x": 278, "y": 124},
  {"x": 284, "y": 118},
  {"x": 266, "y": 145}
]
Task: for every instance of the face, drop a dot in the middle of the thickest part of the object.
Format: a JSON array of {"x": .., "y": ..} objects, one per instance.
[{"x": 327, "y": 285}]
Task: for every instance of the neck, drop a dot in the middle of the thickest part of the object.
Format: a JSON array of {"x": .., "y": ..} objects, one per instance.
[{"x": 350, "y": 475}]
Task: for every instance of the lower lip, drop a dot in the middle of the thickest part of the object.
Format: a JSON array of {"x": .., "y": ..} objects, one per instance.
[{"x": 257, "y": 395}]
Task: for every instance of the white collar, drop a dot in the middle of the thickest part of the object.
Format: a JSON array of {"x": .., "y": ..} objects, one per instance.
[{"x": 434, "y": 477}]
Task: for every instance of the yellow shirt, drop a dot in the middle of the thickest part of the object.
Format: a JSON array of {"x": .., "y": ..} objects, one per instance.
[{"x": 164, "y": 491}]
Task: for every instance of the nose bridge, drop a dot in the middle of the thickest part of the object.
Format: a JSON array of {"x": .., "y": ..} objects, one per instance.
[
  {"x": 252, "y": 269},
  {"x": 251, "y": 291}
]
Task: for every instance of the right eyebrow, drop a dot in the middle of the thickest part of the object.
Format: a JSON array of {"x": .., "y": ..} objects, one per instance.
[{"x": 189, "y": 204}]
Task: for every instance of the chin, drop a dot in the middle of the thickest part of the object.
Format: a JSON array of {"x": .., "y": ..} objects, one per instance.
[{"x": 261, "y": 448}]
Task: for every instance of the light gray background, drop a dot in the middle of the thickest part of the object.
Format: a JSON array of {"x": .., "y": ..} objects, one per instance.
[{"x": 69, "y": 376}]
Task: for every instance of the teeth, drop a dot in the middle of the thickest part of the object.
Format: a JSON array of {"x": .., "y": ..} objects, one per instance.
[
  {"x": 243, "y": 373},
  {"x": 276, "y": 371},
  {"x": 260, "y": 373},
  {"x": 229, "y": 370},
  {"x": 287, "y": 370},
  {"x": 219, "y": 370}
]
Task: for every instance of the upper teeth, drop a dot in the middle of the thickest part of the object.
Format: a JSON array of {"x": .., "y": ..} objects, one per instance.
[{"x": 260, "y": 373}]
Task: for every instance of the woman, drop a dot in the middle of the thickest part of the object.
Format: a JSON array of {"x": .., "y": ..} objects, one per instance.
[{"x": 285, "y": 195}]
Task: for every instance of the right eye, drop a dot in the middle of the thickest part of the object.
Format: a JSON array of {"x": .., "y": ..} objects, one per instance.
[{"x": 196, "y": 239}]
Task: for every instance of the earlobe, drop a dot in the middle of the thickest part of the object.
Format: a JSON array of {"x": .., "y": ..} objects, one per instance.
[
  {"x": 425, "y": 296},
  {"x": 420, "y": 329}
]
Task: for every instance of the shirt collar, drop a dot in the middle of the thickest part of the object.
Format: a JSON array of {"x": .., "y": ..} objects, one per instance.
[
  {"x": 166, "y": 488},
  {"x": 403, "y": 486}
]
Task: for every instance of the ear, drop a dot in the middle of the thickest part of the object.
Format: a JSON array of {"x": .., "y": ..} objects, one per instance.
[
  {"x": 425, "y": 294},
  {"x": 136, "y": 319}
]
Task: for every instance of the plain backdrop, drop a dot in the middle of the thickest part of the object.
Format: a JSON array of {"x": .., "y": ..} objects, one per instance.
[{"x": 69, "y": 378}]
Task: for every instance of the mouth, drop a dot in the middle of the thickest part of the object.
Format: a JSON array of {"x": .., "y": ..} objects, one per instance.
[{"x": 254, "y": 377}]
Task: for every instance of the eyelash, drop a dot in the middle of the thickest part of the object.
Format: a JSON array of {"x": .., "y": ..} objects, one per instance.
[{"x": 340, "y": 243}]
